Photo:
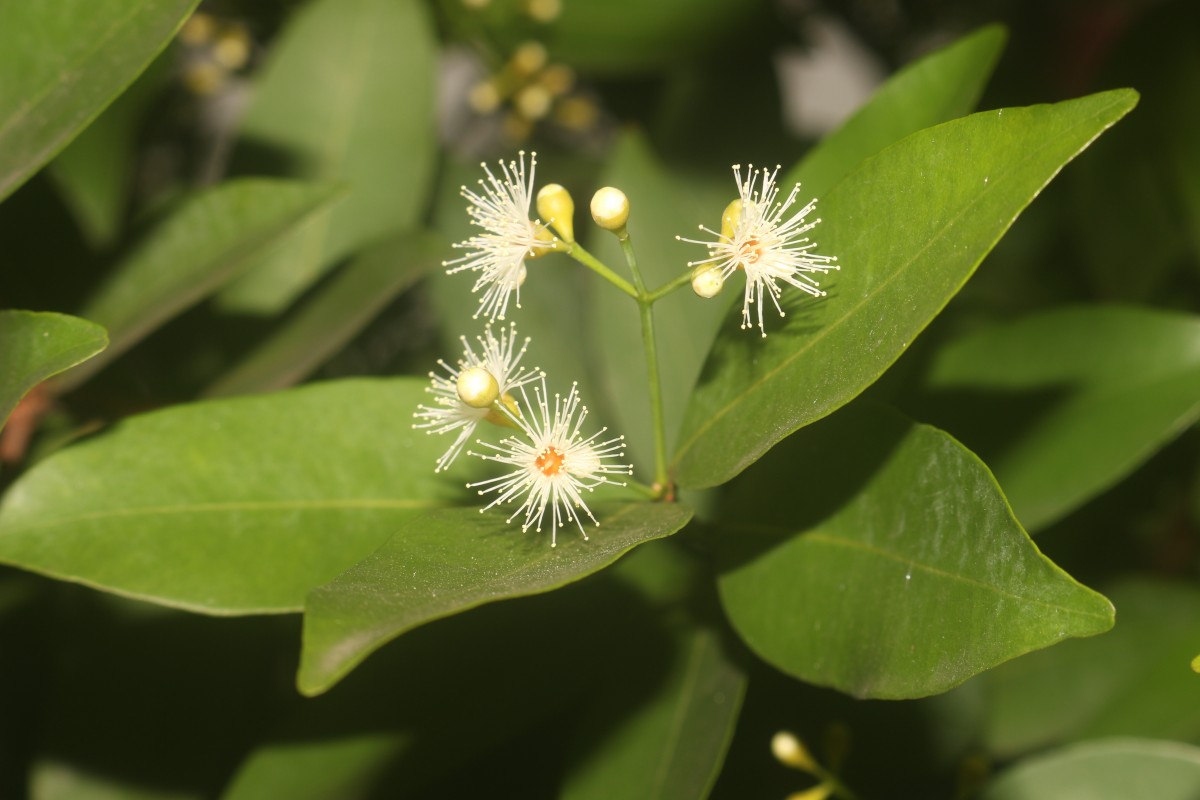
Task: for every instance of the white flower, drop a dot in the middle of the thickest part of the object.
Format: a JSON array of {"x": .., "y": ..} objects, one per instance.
[
  {"x": 767, "y": 241},
  {"x": 555, "y": 466},
  {"x": 510, "y": 236},
  {"x": 499, "y": 357}
]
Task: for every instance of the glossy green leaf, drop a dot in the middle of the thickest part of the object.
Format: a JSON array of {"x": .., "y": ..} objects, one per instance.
[
  {"x": 35, "y": 345},
  {"x": 330, "y": 319},
  {"x": 666, "y": 204},
  {"x": 939, "y": 87},
  {"x": 1030, "y": 396},
  {"x": 209, "y": 239},
  {"x": 908, "y": 226},
  {"x": 446, "y": 562},
  {"x": 231, "y": 506},
  {"x": 1133, "y": 681},
  {"x": 1113, "y": 769},
  {"x": 673, "y": 744},
  {"x": 62, "y": 63},
  {"x": 894, "y": 569},
  {"x": 347, "y": 94},
  {"x": 95, "y": 173}
]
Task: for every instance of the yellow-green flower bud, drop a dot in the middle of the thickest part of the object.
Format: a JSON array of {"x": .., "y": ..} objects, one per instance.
[
  {"x": 729, "y": 219},
  {"x": 821, "y": 791},
  {"x": 791, "y": 752},
  {"x": 555, "y": 206},
  {"x": 707, "y": 281},
  {"x": 610, "y": 208},
  {"x": 498, "y": 416},
  {"x": 477, "y": 387}
]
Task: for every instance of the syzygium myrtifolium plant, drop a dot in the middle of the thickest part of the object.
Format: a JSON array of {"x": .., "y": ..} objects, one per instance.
[{"x": 729, "y": 338}]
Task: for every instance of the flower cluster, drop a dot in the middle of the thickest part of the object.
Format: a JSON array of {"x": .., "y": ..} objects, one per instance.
[{"x": 553, "y": 462}]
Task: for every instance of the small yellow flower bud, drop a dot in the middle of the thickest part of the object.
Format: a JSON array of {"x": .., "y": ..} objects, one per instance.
[
  {"x": 528, "y": 58},
  {"x": 199, "y": 28},
  {"x": 534, "y": 101},
  {"x": 544, "y": 10},
  {"x": 497, "y": 416},
  {"x": 483, "y": 97},
  {"x": 557, "y": 78},
  {"x": 477, "y": 387},
  {"x": 232, "y": 49},
  {"x": 1196, "y": 664},
  {"x": 729, "y": 219},
  {"x": 791, "y": 752},
  {"x": 707, "y": 281},
  {"x": 555, "y": 206},
  {"x": 610, "y": 208}
]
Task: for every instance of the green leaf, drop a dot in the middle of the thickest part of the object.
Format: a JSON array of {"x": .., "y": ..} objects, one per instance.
[
  {"x": 673, "y": 744},
  {"x": 446, "y": 562},
  {"x": 897, "y": 571},
  {"x": 231, "y": 506},
  {"x": 203, "y": 244},
  {"x": 329, "y": 320},
  {"x": 1114, "y": 769},
  {"x": 621, "y": 37},
  {"x": 347, "y": 94},
  {"x": 908, "y": 226},
  {"x": 62, "y": 63},
  {"x": 35, "y": 345},
  {"x": 1133, "y": 682},
  {"x": 937, "y": 88},
  {"x": 95, "y": 173},
  {"x": 665, "y": 204},
  {"x": 1030, "y": 396}
]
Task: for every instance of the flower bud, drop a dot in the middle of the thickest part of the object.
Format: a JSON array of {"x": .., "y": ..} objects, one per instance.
[
  {"x": 555, "y": 206},
  {"x": 707, "y": 281},
  {"x": 730, "y": 218},
  {"x": 610, "y": 208},
  {"x": 477, "y": 387},
  {"x": 791, "y": 752}
]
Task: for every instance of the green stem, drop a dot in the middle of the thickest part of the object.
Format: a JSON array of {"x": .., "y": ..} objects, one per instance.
[
  {"x": 646, "y": 311},
  {"x": 670, "y": 286},
  {"x": 575, "y": 251}
]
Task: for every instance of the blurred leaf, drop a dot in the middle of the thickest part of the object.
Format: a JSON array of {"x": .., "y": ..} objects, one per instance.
[
  {"x": 62, "y": 63},
  {"x": 1113, "y": 769},
  {"x": 445, "y": 693},
  {"x": 234, "y": 506},
  {"x": 672, "y": 745},
  {"x": 95, "y": 173},
  {"x": 1132, "y": 682},
  {"x": 206, "y": 241},
  {"x": 877, "y": 556},
  {"x": 941, "y": 86},
  {"x": 35, "y": 345},
  {"x": 621, "y": 37},
  {"x": 908, "y": 226},
  {"x": 1030, "y": 396},
  {"x": 347, "y": 94},
  {"x": 446, "y": 562},
  {"x": 330, "y": 319},
  {"x": 143, "y": 703},
  {"x": 665, "y": 204}
]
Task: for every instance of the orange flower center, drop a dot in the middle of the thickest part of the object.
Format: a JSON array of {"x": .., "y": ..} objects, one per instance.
[
  {"x": 750, "y": 252},
  {"x": 550, "y": 462}
]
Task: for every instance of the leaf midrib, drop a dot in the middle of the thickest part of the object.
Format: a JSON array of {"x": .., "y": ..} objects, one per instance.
[
  {"x": 851, "y": 544},
  {"x": 327, "y": 504},
  {"x": 900, "y": 271}
]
